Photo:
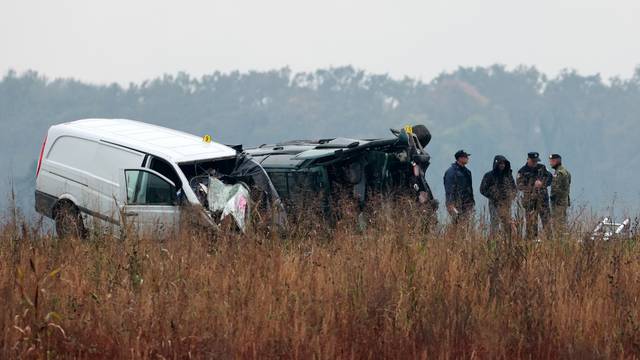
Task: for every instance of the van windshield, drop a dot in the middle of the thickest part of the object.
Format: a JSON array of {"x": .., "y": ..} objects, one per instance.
[
  {"x": 207, "y": 167},
  {"x": 198, "y": 173}
]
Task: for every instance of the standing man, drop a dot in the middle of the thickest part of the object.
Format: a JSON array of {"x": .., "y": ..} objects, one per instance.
[
  {"x": 499, "y": 187},
  {"x": 533, "y": 180},
  {"x": 459, "y": 189},
  {"x": 560, "y": 199}
]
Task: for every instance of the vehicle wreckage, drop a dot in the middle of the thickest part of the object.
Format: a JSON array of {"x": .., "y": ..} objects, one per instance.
[
  {"x": 607, "y": 229},
  {"x": 302, "y": 170},
  {"x": 116, "y": 172},
  {"x": 233, "y": 188},
  {"x": 113, "y": 173}
]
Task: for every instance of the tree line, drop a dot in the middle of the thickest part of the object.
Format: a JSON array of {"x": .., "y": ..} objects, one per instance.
[{"x": 594, "y": 123}]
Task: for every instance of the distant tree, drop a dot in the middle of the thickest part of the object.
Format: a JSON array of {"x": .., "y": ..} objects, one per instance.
[{"x": 486, "y": 110}]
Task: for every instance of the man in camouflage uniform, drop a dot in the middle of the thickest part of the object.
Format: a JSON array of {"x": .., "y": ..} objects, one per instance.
[
  {"x": 533, "y": 180},
  {"x": 560, "y": 199}
]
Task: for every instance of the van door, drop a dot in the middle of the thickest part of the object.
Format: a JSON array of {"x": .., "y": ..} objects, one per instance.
[{"x": 151, "y": 202}]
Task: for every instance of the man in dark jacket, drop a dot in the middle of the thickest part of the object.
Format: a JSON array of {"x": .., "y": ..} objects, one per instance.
[
  {"x": 533, "y": 181},
  {"x": 459, "y": 189},
  {"x": 499, "y": 187}
]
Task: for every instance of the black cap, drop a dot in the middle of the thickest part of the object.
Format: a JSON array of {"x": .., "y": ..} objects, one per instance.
[
  {"x": 533, "y": 156},
  {"x": 461, "y": 153},
  {"x": 555, "y": 156}
]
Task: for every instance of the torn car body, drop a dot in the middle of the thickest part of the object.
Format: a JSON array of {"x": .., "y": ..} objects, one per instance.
[{"x": 305, "y": 170}]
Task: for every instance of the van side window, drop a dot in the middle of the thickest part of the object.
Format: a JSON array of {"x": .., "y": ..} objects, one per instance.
[
  {"x": 65, "y": 151},
  {"x": 145, "y": 188},
  {"x": 166, "y": 170}
]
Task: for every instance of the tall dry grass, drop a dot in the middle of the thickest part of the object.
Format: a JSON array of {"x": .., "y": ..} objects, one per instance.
[{"x": 394, "y": 290}]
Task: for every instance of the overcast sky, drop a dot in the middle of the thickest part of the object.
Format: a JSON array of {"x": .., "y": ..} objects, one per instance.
[{"x": 133, "y": 40}]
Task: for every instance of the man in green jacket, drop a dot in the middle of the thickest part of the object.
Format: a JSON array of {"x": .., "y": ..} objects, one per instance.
[
  {"x": 560, "y": 199},
  {"x": 533, "y": 181}
]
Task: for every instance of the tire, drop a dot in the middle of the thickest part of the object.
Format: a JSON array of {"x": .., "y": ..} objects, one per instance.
[{"x": 69, "y": 221}]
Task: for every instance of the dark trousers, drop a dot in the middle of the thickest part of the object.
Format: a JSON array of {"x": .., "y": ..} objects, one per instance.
[
  {"x": 463, "y": 217},
  {"x": 533, "y": 212},
  {"x": 500, "y": 219}
]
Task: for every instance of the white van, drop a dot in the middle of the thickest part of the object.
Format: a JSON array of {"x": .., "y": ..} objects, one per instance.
[{"x": 99, "y": 170}]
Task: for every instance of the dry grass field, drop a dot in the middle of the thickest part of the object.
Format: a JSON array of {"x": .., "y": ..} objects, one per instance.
[{"x": 394, "y": 290}]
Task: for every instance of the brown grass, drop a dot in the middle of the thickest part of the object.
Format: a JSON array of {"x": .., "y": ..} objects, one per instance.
[{"x": 392, "y": 291}]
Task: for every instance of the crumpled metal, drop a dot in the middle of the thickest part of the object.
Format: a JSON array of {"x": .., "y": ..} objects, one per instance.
[{"x": 231, "y": 200}]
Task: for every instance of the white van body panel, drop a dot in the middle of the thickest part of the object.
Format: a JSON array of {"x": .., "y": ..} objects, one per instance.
[
  {"x": 172, "y": 145},
  {"x": 84, "y": 161}
]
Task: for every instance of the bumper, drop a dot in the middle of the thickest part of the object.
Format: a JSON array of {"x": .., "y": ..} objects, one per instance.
[{"x": 45, "y": 203}]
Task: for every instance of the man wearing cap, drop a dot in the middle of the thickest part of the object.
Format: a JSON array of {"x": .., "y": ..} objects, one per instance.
[
  {"x": 459, "y": 189},
  {"x": 560, "y": 199},
  {"x": 533, "y": 180}
]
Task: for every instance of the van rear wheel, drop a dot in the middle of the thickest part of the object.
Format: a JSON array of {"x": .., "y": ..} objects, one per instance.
[{"x": 69, "y": 221}]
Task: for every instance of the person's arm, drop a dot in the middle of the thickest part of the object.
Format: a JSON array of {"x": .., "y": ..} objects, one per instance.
[
  {"x": 449, "y": 187},
  {"x": 511, "y": 188},
  {"x": 543, "y": 178},
  {"x": 485, "y": 186},
  {"x": 569, "y": 189},
  {"x": 564, "y": 183},
  {"x": 471, "y": 187},
  {"x": 522, "y": 183},
  {"x": 547, "y": 178}
]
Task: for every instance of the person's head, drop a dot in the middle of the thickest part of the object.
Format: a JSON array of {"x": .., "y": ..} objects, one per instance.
[
  {"x": 555, "y": 160},
  {"x": 501, "y": 164},
  {"x": 462, "y": 157},
  {"x": 533, "y": 158}
]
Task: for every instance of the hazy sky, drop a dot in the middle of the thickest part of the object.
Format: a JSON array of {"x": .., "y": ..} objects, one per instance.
[{"x": 133, "y": 40}]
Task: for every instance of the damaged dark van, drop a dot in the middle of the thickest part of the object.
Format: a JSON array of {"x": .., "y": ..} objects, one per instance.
[{"x": 318, "y": 169}]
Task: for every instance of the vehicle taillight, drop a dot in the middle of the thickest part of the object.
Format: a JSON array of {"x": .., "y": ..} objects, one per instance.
[{"x": 41, "y": 154}]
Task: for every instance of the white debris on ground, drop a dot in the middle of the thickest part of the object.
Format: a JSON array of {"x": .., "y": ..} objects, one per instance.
[{"x": 607, "y": 229}]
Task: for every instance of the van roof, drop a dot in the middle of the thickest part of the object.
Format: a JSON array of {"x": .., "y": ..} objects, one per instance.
[{"x": 173, "y": 145}]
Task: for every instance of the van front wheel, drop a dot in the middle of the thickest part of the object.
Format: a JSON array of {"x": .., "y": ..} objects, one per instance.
[{"x": 69, "y": 221}]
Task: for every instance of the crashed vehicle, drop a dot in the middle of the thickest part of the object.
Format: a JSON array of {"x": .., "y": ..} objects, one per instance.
[
  {"x": 306, "y": 170},
  {"x": 96, "y": 173},
  {"x": 607, "y": 229}
]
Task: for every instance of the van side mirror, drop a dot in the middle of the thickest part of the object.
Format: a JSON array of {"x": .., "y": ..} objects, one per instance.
[
  {"x": 173, "y": 197},
  {"x": 180, "y": 197}
]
